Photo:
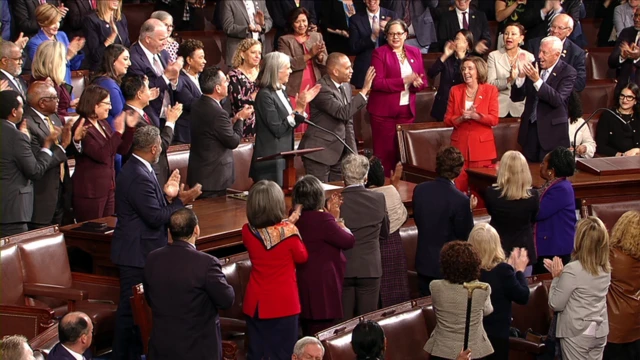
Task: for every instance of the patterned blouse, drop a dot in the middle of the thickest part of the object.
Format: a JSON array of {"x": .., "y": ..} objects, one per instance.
[
  {"x": 240, "y": 90},
  {"x": 172, "y": 49}
]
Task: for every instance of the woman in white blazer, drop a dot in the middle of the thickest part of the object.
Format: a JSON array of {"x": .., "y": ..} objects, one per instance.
[
  {"x": 585, "y": 145},
  {"x": 503, "y": 69},
  {"x": 579, "y": 292}
]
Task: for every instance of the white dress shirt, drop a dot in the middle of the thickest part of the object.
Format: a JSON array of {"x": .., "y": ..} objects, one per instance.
[
  {"x": 459, "y": 15},
  {"x": 194, "y": 79},
  {"x": 145, "y": 162},
  {"x": 142, "y": 114},
  {"x": 15, "y": 82},
  {"x": 77, "y": 145},
  {"x": 251, "y": 11},
  {"x": 283, "y": 99},
  {"x": 73, "y": 353}
]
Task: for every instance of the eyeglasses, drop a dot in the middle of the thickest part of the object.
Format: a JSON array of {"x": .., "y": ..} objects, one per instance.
[
  {"x": 397, "y": 34},
  {"x": 561, "y": 28},
  {"x": 16, "y": 59},
  {"x": 169, "y": 26},
  {"x": 105, "y": 102},
  {"x": 627, "y": 97},
  {"x": 51, "y": 98}
]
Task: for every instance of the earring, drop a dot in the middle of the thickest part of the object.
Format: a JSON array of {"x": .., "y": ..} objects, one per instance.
[
  {"x": 242, "y": 59},
  {"x": 549, "y": 173}
]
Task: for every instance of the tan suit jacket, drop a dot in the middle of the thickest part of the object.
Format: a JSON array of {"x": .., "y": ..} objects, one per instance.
[
  {"x": 290, "y": 46},
  {"x": 499, "y": 70}
]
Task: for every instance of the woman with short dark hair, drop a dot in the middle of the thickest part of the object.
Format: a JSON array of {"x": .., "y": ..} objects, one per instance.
[
  {"x": 615, "y": 138},
  {"x": 325, "y": 236},
  {"x": 188, "y": 90},
  {"x": 271, "y": 301},
  {"x": 368, "y": 341}
]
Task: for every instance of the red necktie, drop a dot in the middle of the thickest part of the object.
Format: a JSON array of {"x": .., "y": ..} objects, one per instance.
[
  {"x": 93, "y": 4},
  {"x": 146, "y": 118},
  {"x": 465, "y": 23},
  {"x": 43, "y": 2}
]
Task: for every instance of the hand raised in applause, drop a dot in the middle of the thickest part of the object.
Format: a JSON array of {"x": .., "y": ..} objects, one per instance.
[
  {"x": 333, "y": 204},
  {"x": 172, "y": 71},
  {"x": 259, "y": 18},
  {"x": 481, "y": 47},
  {"x": 554, "y": 266},
  {"x": 52, "y": 138},
  {"x": 4, "y": 85},
  {"x": 518, "y": 259},
  {"x": 65, "y": 138},
  {"x": 81, "y": 131},
  {"x": 25, "y": 129},
  {"x": 172, "y": 186},
  {"x": 306, "y": 96},
  {"x": 173, "y": 112},
  {"x": 190, "y": 195},
  {"x": 396, "y": 175},
  {"x": 243, "y": 114},
  {"x": 295, "y": 214},
  {"x": 76, "y": 44},
  {"x": 368, "y": 80},
  {"x": 531, "y": 71},
  {"x": 21, "y": 41}
]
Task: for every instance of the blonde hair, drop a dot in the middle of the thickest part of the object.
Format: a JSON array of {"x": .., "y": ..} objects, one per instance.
[
  {"x": 102, "y": 7},
  {"x": 592, "y": 246},
  {"x": 625, "y": 235},
  {"x": 48, "y": 15},
  {"x": 514, "y": 177},
  {"x": 486, "y": 242},
  {"x": 244, "y": 45},
  {"x": 50, "y": 61}
]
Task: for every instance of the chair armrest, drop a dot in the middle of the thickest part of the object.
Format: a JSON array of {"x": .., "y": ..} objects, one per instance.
[
  {"x": 95, "y": 279},
  {"x": 98, "y": 287},
  {"x": 26, "y": 320},
  {"x": 54, "y": 291},
  {"x": 522, "y": 345},
  {"x": 233, "y": 325}
]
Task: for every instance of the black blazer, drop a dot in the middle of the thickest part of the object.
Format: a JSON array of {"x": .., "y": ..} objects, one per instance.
[
  {"x": 612, "y": 136},
  {"x": 478, "y": 25},
  {"x": 186, "y": 93},
  {"x": 140, "y": 65},
  {"x": 572, "y": 54},
  {"x": 79, "y": 11},
  {"x": 96, "y": 32},
  {"x": 185, "y": 289},
  {"x": 213, "y": 139},
  {"x": 507, "y": 286},
  {"x": 450, "y": 76},
  {"x": 442, "y": 213},
  {"x": 280, "y": 10},
  {"x": 24, "y": 16},
  {"x": 361, "y": 45},
  {"x": 334, "y": 17},
  {"x": 624, "y": 71}
]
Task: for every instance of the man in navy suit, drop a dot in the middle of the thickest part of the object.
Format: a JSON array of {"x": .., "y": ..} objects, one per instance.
[
  {"x": 625, "y": 55},
  {"x": 149, "y": 58},
  {"x": 463, "y": 17},
  {"x": 417, "y": 16},
  {"x": 185, "y": 288},
  {"x": 75, "y": 332},
  {"x": 545, "y": 123},
  {"x": 572, "y": 54},
  {"x": 366, "y": 33},
  {"x": 143, "y": 209},
  {"x": 442, "y": 214}
]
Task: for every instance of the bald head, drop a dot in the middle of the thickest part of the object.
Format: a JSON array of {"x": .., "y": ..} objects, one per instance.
[
  {"x": 75, "y": 331},
  {"x": 339, "y": 67},
  {"x": 38, "y": 91},
  {"x": 153, "y": 35},
  {"x": 561, "y": 26}
]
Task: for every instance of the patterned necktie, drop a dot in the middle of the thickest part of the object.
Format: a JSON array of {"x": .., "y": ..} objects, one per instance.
[
  {"x": 465, "y": 23},
  {"x": 344, "y": 95},
  {"x": 157, "y": 66},
  {"x": 375, "y": 25},
  {"x": 51, "y": 130},
  {"x": 407, "y": 13},
  {"x": 146, "y": 118},
  {"x": 550, "y": 17}
]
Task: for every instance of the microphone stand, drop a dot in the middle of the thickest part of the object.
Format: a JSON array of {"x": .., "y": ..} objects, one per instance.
[
  {"x": 330, "y": 132},
  {"x": 575, "y": 135}
]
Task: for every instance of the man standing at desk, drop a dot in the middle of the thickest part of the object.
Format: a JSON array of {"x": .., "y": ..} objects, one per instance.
[{"x": 144, "y": 210}]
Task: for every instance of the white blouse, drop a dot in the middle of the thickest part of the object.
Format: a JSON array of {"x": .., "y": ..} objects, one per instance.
[
  {"x": 405, "y": 70},
  {"x": 584, "y": 138}
]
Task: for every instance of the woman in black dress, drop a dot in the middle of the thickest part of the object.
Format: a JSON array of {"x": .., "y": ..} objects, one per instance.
[{"x": 615, "y": 138}]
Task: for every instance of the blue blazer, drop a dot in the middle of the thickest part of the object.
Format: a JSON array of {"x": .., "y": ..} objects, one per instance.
[
  {"x": 186, "y": 94},
  {"x": 140, "y": 65},
  {"x": 143, "y": 215},
  {"x": 117, "y": 104},
  {"x": 39, "y": 38},
  {"x": 556, "y": 226},
  {"x": 572, "y": 54},
  {"x": 60, "y": 353},
  {"x": 361, "y": 44},
  {"x": 96, "y": 32},
  {"x": 442, "y": 213}
]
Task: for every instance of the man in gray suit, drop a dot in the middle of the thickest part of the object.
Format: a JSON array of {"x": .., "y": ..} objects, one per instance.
[
  {"x": 213, "y": 136},
  {"x": 365, "y": 214},
  {"x": 333, "y": 109},
  {"x": 19, "y": 166},
  {"x": 417, "y": 15},
  {"x": 242, "y": 20}
]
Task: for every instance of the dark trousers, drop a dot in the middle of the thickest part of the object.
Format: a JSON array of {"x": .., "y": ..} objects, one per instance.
[
  {"x": 58, "y": 213},
  {"x": 359, "y": 296},
  {"x": 423, "y": 284},
  {"x": 324, "y": 173},
  {"x": 622, "y": 351},
  {"x": 12, "y": 229},
  {"x": 500, "y": 349},
  {"x": 212, "y": 194},
  {"x": 538, "y": 267},
  {"x": 271, "y": 339},
  {"x": 127, "y": 344},
  {"x": 532, "y": 150}
]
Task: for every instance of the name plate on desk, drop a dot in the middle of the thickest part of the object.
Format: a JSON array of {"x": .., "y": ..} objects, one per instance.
[{"x": 622, "y": 165}]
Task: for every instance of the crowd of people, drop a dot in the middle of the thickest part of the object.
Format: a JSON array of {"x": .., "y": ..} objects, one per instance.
[{"x": 147, "y": 93}]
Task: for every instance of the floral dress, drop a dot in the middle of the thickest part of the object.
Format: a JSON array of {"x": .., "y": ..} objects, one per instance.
[{"x": 241, "y": 90}]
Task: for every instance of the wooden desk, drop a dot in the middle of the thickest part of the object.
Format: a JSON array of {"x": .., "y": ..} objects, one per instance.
[
  {"x": 585, "y": 185},
  {"x": 220, "y": 219}
]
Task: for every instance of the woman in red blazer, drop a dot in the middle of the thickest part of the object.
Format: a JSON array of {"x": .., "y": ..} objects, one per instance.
[
  {"x": 472, "y": 111},
  {"x": 94, "y": 177},
  {"x": 399, "y": 76},
  {"x": 271, "y": 301}
]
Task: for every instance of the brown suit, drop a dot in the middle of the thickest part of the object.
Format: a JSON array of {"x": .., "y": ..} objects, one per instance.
[{"x": 290, "y": 46}]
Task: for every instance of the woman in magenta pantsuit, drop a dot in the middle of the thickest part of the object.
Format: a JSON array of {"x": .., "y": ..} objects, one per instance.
[{"x": 399, "y": 76}]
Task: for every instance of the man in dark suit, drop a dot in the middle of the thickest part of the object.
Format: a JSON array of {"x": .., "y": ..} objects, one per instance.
[
  {"x": 19, "y": 166},
  {"x": 442, "y": 214},
  {"x": 333, "y": 109},
  {"x": 79, "y": 11},
  {"x": 75, "y": 333},
  {"x": 417, "y": 16},
  {"x": 462, "y": 17},
  {"x": 149, "y": 58},
  {"x": 365, "y": 214},
  {"x": 24, "y": 15},
  {"x": 572, "y": 54},
  {"x": 545, "y": 123},
  {"x": 366, "y": 33},
  {"x": 143, "y": 209},
  {"x": 52, "y": 192},
  {"x": 625, "y": 55},
  {"x": 214, "y": 136},
  {"x": 136, "y": 93},
  {"x": 185, "y": 289},
  {"x": 545, "y": 11},
  {"x": 11, "y": 67}
]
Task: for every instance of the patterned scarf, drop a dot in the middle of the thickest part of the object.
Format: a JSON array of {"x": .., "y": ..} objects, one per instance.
[{"x": 273, "y": 235}]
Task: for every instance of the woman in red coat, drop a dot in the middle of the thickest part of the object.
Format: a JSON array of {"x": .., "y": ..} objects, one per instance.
[
  {"x": 472, "y": 111},
  {"x": 271, "y": 301},
  {"x": 399, "y": 76}
]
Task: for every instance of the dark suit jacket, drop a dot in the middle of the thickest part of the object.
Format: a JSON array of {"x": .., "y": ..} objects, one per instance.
[
  {"x": 361, "y": 45},
  {"x": 46, "y": 188},
  {"x": 478, "y": 25},
  {"x": 421, "y": 18},
  {"x": 186, "y": 94},
  {"x": 96, "y": 32},
  {"x": 140, "y": 65},
  {"x": 330, "y": 111},
  {"x": 551, "y": 101},
  {"x": 625, "y": 71},
  {"x": 540, "y": 26},
  {"x": 143, "y": 215},
  {"x": 20, "y": 80},
  {"x": 213, "y": 139},
  {"x": 60, "y": 353},
  {"x": 334, "y": 17},
  {"x": 450, "y": 75},
  {"x": 365, "y": 214},
  {"x": 280, "y": 10},
  {"x": 24, "y": 16},
  {"x": 612, "y": 136},
  {"x": 19, "y": 167},
  {"x": 185, "y": 288},
  {"x": 572, "y": 54},
  {"x": 79, "y": 11},
  {"x": 442, "y": 213}
]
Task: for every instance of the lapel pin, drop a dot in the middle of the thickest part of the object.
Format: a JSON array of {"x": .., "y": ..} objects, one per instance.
[
  {"x": 411, "y": 60},
  {"x": 473, "y": 16},
  {"x": 554, "y": 74}
]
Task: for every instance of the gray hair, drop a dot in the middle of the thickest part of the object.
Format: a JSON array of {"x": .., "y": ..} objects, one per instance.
[
  {"x": 149, "y": 27},
  {"x": 298, "y": 349},
  {"x": 6, "y": 47},
  {"x": 564, "y": 17},
  {"x": 145, "y": 137},
  {"x": 309, "y": 193},
  {"x": 265, "y": 204},
  {"x": 273, "y": 63},
  {"x": 556, "y": 43},
  {"x": 355, "y": 169},
  {"x": 161, "y": 15}
]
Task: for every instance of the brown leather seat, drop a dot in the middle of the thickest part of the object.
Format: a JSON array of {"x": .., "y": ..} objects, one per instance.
[
  {"x": 610, "y": 209},
  {"x": 598, "y": 63},
  {"x": 590, "y": 27},
  {"x": 428, "y": 60},
  {"x": 242, "y": 162},
  {"x": 136, "y": 15},
  {"x": 236, "y": 269},
  {"x": 597, "y": 94},
  {"x": 424, "y": 103},
  {"x": 178, "y": 158},
  {"x": 409, "y": 237}
]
